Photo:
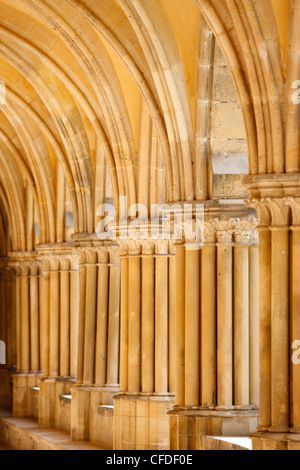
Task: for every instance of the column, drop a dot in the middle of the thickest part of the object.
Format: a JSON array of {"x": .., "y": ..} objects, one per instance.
[
  {"x": 254, "y": 322},
  {"x": 113, "y": 317},
  {"x": 74, "y": 313},
  {"x": 225, "y": 318},
  {"x": 54, "y": 313},
  {"x": 276, "y": 201},
  {"x": 25, "y": 318},
  {"x": 180, "y": 324},
  {"x": 134, "y": 319},
  {"x": 208, "y": 326},
  {"x": 27, "y": 332},
  {"x": 280, "y": 352},
  {"x": 192, "y": 325},
  {"x": 162, "y": 318},
  {"x": 172, "y": 320},
  {"x": 98, "y": 337},
  {"x": 34, "y": 318},
  {"x": 141, "y": 419},
  {"x": 295, "y": 324},
  {"x": 57, "y": 330},
  {"x": 148, "y": 319},
  {"x": 124, "y": 319},
  {"x": 65, "y": 317},
  {"x": 102, "y": 319},
  {"x": 90, "y": 317},
  {"x": 45, "y": 314},
  {"x": 81, "y": 319},
  {"x": 241, "y": 321}
]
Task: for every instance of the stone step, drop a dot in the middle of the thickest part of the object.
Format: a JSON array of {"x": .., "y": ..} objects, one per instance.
[
  {"x": 225, "y": 443},
  {"x": 25, "y": 434}
]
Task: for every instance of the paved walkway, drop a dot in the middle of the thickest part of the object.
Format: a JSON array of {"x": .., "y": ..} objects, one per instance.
[{"x": 33, "y": 437}]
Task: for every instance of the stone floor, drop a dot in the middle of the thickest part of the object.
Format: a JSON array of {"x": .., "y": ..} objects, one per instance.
[{"x": 25, "y": 434}]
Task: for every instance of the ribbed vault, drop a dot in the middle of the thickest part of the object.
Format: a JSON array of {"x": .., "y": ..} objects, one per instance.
[{"x": 69, "y": 102}]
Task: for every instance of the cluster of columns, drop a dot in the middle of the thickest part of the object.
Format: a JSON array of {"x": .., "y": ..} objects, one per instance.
[
  {"x": 147, "y": 355},
  {"x": 98, "y": 334},
  {"x": 277, "y": 201},
  {"x": 59, "y": 299},
  {"x": 8, "y": 359},
  {"x": 67, "y": 308},
  {"x": 147, "y": 321},
  {"x": 28, "y": 323},
  {"x": 217, "y": 319}
]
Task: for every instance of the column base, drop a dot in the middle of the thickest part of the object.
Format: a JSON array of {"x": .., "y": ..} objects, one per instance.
[
  {"x": 6, "y": 388},
  {"x": 25, "y": 386},
  {"x": 272, "y": 441},
  {"x": 188, "y": 426},
  {"x": 92, "y": 414},
  {"x": 141, "y": 422},
  {"x": 54, "y": 410}
]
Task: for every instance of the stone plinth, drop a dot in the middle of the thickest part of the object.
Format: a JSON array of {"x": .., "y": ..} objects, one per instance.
[
  {"x": 142, "y": 422},
  {"x": 188, "y": 427},
  {"x": 278, "y": 441},
  {"x": 84, "y": 412},
  {"x": 22, "y": 393}
]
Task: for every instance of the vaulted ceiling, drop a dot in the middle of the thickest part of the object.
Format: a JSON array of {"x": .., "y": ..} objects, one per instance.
[{"x": 103, "y": 100}]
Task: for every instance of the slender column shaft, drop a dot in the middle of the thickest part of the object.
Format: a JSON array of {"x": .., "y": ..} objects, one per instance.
[
  {"x": 102, "y": 326},
  {"x": 90, "y": 324},
  {"x": 54, "y": 324},
  {"x": 3, "y": 306},
  {"x": 65, "y": 323},
  {"x": 25, "y": 324},
  {"x": 172, "y": 324},
  {"x": 124, "y": 325},
  {"x": 280, "y": 329},
  {"x": 225, "y": 327},
  {"x": 241, "y": 326},
  {"x": 74, "y": 314},
  {"x": 192, "y": 328},
  {"x": 208, "y": 328},
  {"x": 113, "y": 326},
  {"x": 295, "y": 330},
  {"x": 180, "y": 325},
  {"x": 11, "y": 318},
  {"x": 46, "y": 323},
  {"x": 34, "y": 323},
  {"x": 19, "y": 324},
  {"x": 41, "y": 321},
  {"x": 81, "y": 324},
  {"x": 161, "y": 326},
  {"x": 148, "y": 324},
  {"x": 265, "y": 327},
  {"x": 254, "y": 325},
  {"x": 134, "y": 325}
]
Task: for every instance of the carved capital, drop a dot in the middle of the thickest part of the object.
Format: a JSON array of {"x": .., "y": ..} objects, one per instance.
[
  {"x": 113, "y": 252},
  {"x": 124, "y": 248},
  {"x": 210, "y": 235},
  {"x": 280, "y": 211},
  {"x": 90, "y": 255},
  {"x": 245, "y": 231},
  {"x": 263, "y": 211},
  {"x": 294, "y": 204},
  {"x": 134, "y": 247},
  {"x": 224, "y": 230},
  {"x": 148, "y": 247},
  {"x": 65, "y": 263},
  {"x": 162, "y": 247}
]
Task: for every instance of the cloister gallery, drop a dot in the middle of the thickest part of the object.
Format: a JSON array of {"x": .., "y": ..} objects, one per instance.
[{"x": 150, "y": 224}]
